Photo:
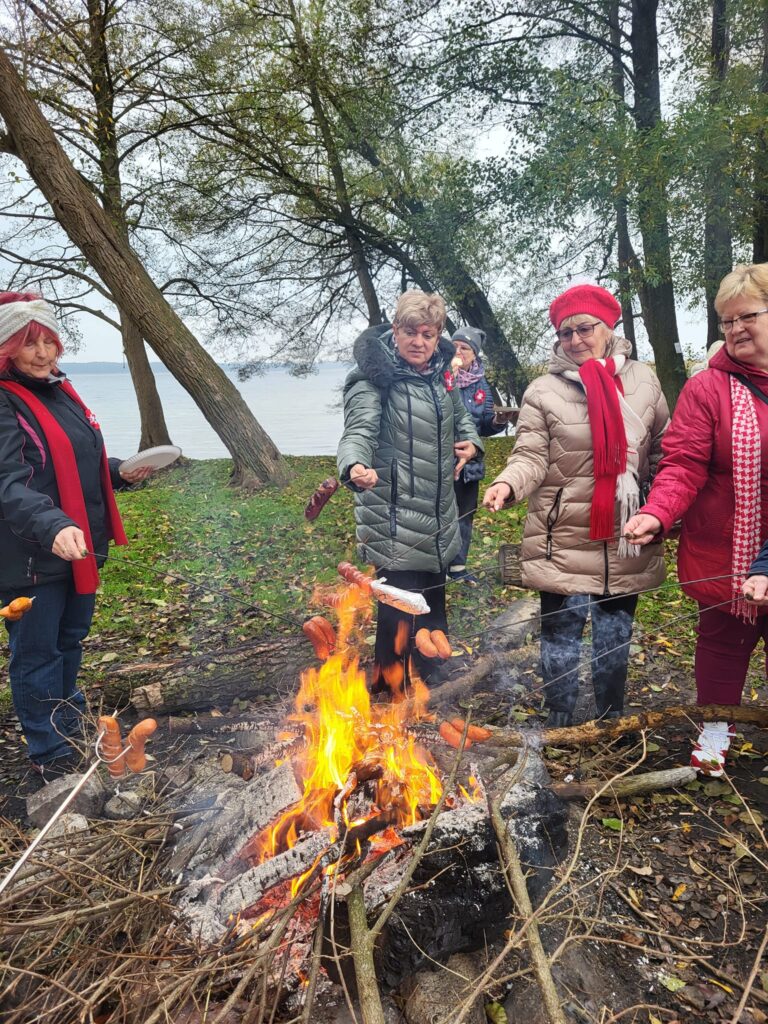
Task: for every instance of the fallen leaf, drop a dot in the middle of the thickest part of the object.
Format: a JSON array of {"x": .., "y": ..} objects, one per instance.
[
  {"x": 645, "y": 871},
  {"x": 670, "y": 982},
  {"x": 496, "y": 1013},
  {"x": 679, "y": 891},
  {"x": 613, "y": 823}
]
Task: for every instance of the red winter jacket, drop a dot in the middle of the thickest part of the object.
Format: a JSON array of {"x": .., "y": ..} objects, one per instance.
[{"x": 695, "y": 478}]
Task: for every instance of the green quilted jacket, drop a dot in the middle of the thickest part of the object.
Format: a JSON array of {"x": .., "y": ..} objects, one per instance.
[{"x": 403, "y": 424}]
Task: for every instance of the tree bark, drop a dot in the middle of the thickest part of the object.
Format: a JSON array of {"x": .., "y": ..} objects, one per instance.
[
  {"x": 624, "y": 250},
  {"x": 718, "y": 243},
  {"x": 657, "y": 296},
  {"x": 256, "y": 459},
  {"x": 760, "y": 144},
  {"x": 208, "y": 681},
  {"x": 153, "y": 428}
]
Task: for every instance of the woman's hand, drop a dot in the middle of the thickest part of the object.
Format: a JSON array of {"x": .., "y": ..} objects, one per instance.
[
  {"x": 135, "y": 476},
  {"x": 70, "y": 544},
  {"x": 464, "y": 451},
  {"x": 496, "y": 495},
  {"x": 641, "y": 529},
  {"x": 755, "y": 589},
  {"x": 365, "y": 478}
]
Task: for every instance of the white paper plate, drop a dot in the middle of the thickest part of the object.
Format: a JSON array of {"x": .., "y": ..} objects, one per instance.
[{"x": 154, "y": 458}]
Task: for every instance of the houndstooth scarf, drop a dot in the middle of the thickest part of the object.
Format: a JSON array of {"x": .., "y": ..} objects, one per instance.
[{"x": 747, "y": 465}]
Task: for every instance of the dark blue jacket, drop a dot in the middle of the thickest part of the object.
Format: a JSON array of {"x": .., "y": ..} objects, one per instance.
[
  {"x": 30, "y": 516},
  {"x": 478, "y": 401},
  {"x": 760, "y": 565}
]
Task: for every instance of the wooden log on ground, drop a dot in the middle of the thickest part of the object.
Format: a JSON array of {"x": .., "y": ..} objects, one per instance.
[
  {"x": 239, "y": 764},
  {"x": 215, "y": 679},
  {"x": 648, "y": 782},
  {"x": 594, "y": 732}
]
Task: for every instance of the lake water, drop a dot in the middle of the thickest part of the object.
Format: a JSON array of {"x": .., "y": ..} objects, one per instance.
[{"x": 302, "y": 415}]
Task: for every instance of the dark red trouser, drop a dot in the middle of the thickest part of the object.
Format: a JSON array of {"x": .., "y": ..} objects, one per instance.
[{"x": 723, "y": 649}]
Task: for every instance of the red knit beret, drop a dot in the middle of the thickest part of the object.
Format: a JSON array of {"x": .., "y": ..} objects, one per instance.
[{"x": 585, "y": 298}]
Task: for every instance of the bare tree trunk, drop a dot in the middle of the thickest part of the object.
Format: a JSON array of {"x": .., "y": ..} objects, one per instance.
[
  {"x": 256, "y": 458},
  {"x": 624, "y": 251},
  {"x": 718, "y": 244},
  {"x": 100, "y": 12},
  {"x": 760, "y": 149},
  {"x": 153, "y": 428},
  {"x": 657, "y": 296}
]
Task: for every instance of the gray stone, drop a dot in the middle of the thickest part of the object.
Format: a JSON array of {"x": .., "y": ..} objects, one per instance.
[
  {"x": 89, "y": 801},
  {"x": 123, "y": 806},
  {"x": 433, "y": 997},
  {"x": 67, "y": 825}
]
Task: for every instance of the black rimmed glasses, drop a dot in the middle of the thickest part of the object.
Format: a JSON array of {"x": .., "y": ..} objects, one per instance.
[
  {"x": 583, "y": 331},
  {"x": 726, "y": 326}
]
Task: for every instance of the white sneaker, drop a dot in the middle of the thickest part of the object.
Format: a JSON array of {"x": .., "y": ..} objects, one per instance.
[{"x": 708, "y": 755}]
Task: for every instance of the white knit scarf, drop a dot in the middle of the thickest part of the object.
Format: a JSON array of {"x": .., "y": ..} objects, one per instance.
[
  {"x": 14, "y": 316},
  {"x": 747, "y": 465},
  {"x": 627, "y": 485}
]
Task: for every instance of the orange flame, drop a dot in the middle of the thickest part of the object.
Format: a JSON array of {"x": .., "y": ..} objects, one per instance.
[{"x": 347, "y": 737}]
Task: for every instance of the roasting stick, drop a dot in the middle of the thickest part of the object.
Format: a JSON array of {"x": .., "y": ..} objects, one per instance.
[
  {"x": 54, "y": 817},
  {"x": 128, "y": 751}
]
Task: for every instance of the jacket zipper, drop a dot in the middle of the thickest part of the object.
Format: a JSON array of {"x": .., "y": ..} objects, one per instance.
[
  {"x": 552, "y": 516},
  {"x": 393, "y": 499},
  {"x": 439, "y": 412},
  {"x": 606, "y": 591},
  {"x": 410, "y": 441}
]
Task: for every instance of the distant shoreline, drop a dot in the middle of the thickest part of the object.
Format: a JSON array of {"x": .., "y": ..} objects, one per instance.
[{"x": 113, "y": 366}]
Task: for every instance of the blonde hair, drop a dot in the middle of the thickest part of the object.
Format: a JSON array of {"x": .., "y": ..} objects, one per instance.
[
  {"x": 745, "y": 279},
  {"x": 416, "y": 307}
]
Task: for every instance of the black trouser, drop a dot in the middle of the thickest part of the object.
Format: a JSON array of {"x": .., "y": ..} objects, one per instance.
[
  {"x": 562, "y": 626},
  {"x": 392, "y": 667},
  {"x": 466, "y": 499}
]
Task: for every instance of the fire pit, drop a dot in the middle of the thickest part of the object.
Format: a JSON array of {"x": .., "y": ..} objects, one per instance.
[{"x": 348, "y": 786}]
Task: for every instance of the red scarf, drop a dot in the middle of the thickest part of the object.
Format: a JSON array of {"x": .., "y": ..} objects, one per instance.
[
  {"x": 609, "y": 441},
  {"x": 72, "y": 500}
]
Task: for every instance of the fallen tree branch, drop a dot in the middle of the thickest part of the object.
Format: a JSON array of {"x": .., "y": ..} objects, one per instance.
[
  {"x": 648, "y": 782},
  {"x": 751, "y": 979},
  {"x": 593, "y": 732},
  {"x": 516, "y": 877}
]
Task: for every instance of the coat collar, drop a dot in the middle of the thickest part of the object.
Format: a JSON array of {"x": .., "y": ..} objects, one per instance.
[{"x": 375, "y": 354}]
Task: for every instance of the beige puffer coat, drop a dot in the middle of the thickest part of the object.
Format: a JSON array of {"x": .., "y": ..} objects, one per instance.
[{"x": 551, "y": 465}]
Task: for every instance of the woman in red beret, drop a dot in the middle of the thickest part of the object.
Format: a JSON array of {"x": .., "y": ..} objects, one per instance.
[
  {"x": 588, "y": 441},
  {"x": 713, "y": 477}
]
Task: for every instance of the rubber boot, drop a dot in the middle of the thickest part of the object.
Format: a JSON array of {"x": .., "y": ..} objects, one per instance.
[{"x": 559, "y": 720}]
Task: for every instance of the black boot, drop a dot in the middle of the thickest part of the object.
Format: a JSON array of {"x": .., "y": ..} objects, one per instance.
[{"x": 559, "y": 720}]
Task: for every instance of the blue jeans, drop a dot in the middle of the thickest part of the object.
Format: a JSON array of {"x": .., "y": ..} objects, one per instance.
[{"x": 45, "y": 658}]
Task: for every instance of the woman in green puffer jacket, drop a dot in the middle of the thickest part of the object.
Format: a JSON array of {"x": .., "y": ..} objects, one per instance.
[{"x": 404, "y": 428}]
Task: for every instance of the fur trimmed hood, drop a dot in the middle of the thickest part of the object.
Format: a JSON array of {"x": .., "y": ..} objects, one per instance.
[{"x": 378, "y": 362}]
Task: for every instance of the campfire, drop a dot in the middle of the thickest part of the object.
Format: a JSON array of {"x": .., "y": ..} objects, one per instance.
[{"x": 347, "y": 786}]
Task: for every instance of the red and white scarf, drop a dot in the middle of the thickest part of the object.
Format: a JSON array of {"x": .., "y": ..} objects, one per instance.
[
  {"x": 616, "y": 435},
  {"x": 747, "y": 464}
]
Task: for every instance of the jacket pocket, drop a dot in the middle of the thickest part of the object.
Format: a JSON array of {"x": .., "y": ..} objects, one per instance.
[
  {"x": 552, "y": 517},
  {"x": 393, "y": 499}
]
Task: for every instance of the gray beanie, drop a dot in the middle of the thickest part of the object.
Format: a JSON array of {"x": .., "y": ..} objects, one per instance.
[{"x": 472, "y": 336}]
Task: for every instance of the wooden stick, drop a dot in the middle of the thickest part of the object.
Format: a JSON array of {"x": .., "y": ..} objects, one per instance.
[
  {"x": 751, "y": 979},
  {"x": 607, "y": 729},
  {"x": 648, "y": 782},
  {"x": 533, "y": 936}
]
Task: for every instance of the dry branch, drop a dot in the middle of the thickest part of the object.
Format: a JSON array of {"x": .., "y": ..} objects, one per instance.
[
  {"x": 517, "y": 881},
  {"x": 648, "y": 782},
  {"x": 593, "y": 732}
]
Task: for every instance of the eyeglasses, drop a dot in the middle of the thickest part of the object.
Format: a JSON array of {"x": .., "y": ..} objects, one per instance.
[
  {"x": 583, "y": 331},
  {"x": 726, "y": 326}
]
